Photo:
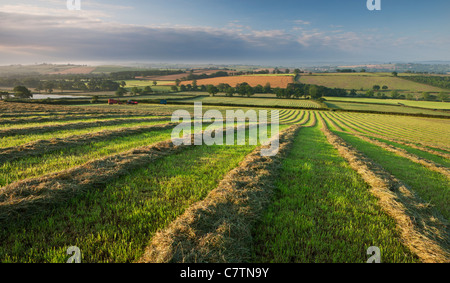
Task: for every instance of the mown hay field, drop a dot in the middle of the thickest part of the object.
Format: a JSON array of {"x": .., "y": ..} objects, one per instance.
[{"x": 109, "y": 180}]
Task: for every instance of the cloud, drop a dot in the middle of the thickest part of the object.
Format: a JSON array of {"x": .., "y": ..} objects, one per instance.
[{"x": 35, "y": 34}]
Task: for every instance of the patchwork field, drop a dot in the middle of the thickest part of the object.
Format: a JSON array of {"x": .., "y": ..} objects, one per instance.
[{"x": 109, "y": 180}]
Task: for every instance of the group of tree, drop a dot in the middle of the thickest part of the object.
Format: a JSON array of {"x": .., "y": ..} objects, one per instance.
[
  {"x": 293, "y": 90},
  {"x": 121, "y": 91},
  {"x": 437, "y": 81}
]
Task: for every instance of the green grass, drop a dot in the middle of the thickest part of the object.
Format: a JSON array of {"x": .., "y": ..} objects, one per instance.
[
  {"x": 366, "y": 81},
  {"x": 323, "y": 211},
  {"x": 17, "y": 140},
  {"x": 115, "y": 223},
  {"x": 414, "y": 103},
  {"x": 429, "y": 185},
  {"x": 29, "y": 167},
  {"x": 257, "y": 101},
  {"x": 433, "y": 133},
  {"x": 382, "y": 108}
]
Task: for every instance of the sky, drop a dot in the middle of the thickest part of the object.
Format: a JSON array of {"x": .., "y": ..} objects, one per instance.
[{"x": 258, "y": 32}]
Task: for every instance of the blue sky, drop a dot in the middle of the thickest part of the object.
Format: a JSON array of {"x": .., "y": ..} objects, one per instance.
[{"x": 289, "y": 33}]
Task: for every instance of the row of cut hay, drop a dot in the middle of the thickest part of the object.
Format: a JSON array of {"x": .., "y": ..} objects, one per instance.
[
  {"x": 355, "y": 127},
  {"x": 218, "y": 228},
  {"x": 403, "y": 153},
  {"x": 41, "y": 147},
  {"x": 406, "y": 134},
  {"x": 332, "y": 122},
  {"x": 14, "y": 109},
  {"x": 73, "y": 126},
  {"x": 291, "y": 116},
  {"x": 423, "y": 230},
  {"x": 312, "y": 121},
  {"x": 63, "y": 118},
  {"x": 23, "y": 197}
]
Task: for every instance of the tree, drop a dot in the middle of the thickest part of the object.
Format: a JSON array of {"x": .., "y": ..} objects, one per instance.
[
  {"x": 297, "y": 71},
  {"x": 123, "y": 83},
  {"x": 183, "y": 88},
  {"x": 148, "y": 89},
  {"x": 94, "y": 99},
  {"x": 426, "y": 96},
  {"x": 353, "y": 92},
  {"x": 174, "y": 88},
  {"x": 385, "y": 87},
  {"x": 194, "y": 85},
  {"x": 121, "y": 91},
  {"x": 267, "y": 88},
  {"x": 409, "y": 96},
  {"x": 177, "y": 82},
  {"x": 62, "y": 85},
  {"x": 49, "y": 86},
  {"x": 258, "y": 89},
  {"x": 376, "y": 87},
  {"x": 370, "y": 93},
  {"x": 313, "y": 92},
  {"x": 135, "y": 90},
  {"x": 22, "y": 92},
  {"x": 395, "y": 94},
  {"x": 443, "y": 96},
  {"x": 229, "y": 91},
  {"x": 394, "y": 74},
  {"x": 4, "y": 93},
  {"x": 212, "y": 90},
  {"x": 155, "y": 83},
  {"x": 245, "y": 89}
]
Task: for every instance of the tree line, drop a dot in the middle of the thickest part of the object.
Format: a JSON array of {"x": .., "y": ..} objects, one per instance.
[
  {"x": 437, "y": 81},
  {"x": 293, "y": 90}
]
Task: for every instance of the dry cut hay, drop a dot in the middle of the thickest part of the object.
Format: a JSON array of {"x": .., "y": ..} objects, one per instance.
[
  {"x": 423, "y": 230},
  {"x": 41, "y": 147},
  {"x": 218, "y": 228},
  {"x": 401, "y": 152},
  {"x": 414, "y": 158},
  {"x": 72, "y": 126},
  {"x": 25, "y": 197}
]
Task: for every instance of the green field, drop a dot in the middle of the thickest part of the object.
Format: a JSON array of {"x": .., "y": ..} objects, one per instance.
[
  {"x": 257, "y": 101},
  {"x": 413, "y": 103},
  {"x": 107, "y": 179},
  {"x": 366, "y": 81},
  {"x": 382, "y": 108}
]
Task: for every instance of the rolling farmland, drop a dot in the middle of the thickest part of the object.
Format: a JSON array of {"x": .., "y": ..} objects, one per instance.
[
  {"x": 109, "y": 180},
  {"x": 253, "y": 80},
  {"x": 366, "y": 81}
]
